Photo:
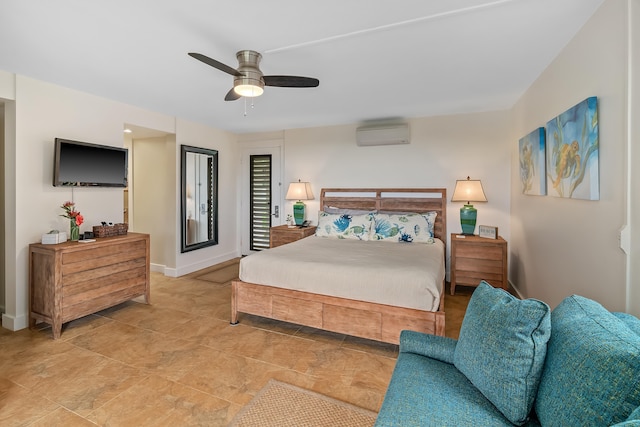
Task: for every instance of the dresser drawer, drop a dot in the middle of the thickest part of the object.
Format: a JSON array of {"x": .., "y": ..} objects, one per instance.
[{"x": 72, "y": 279}]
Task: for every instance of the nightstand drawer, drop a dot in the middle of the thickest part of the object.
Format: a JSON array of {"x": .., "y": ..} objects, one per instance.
[
  {"x": 475, "y": 258},
  {"x": 283, "y": 234},
  {"x": 479, "y": 251},
  {"x": 479, "y": 265},
  {"x": 473, "y": 278}
]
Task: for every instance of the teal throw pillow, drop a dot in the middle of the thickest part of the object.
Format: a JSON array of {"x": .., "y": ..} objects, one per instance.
[
  {"x": 632, "y": 322},
  {"x": 632, "y": 420},
  {"x": 502, "y": 348},
  {"x": 592, "y": 372}
]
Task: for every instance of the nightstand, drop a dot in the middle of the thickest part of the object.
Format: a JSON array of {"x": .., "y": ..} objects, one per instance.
[
  {"x": 475, "y": 258},
  {"x": 282, "y": 234}
]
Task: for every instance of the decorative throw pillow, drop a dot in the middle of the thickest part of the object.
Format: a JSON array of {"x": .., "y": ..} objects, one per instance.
[
  {"x": 408, "y": 228},
  {"x": 630, "y": 321},
  {"x": 431, "y": 221},
  {"x": 502, "y": 348},
  {"x": 591, "y": 373},
  {"x": 344, "y": 226},
  {"x": 632, "y": 420}
]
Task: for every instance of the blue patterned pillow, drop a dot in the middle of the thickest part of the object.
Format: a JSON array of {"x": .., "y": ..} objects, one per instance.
[
  {"x": 344, "y": 226},
  {"x": 410, "y": 227},
  {"x": 502, "y": 348},
  {"x": 431, "y": 221}
]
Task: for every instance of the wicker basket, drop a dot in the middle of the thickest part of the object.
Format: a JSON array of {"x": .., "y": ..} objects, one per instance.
[{"x": 110, "y": 230}]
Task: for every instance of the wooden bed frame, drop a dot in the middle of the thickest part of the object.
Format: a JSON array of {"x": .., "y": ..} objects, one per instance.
[{"x": 373, "y": 321}]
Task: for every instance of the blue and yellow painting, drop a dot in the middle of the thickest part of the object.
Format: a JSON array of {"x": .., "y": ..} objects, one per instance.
[
  {"x": 532, "y": 163},
  {"x": 573, "y": 152}
]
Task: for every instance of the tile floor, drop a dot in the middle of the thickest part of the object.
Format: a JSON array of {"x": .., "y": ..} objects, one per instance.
[{"x": 179, "y": 362}]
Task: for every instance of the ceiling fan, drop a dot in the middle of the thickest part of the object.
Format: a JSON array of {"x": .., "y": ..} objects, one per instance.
[{"x": 248, "y": 80}]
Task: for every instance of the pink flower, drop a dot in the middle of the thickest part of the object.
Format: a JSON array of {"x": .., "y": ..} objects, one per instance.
[{"x": 79, "y": 219}]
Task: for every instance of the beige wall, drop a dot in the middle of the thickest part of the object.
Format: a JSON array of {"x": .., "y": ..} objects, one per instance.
[
  {"x": 2, "y": 207},
  {"x": 7, "y": 85},
  {"x": 557, "y": 247},
  {"x": 9, "y": 238},
  {"x": 154, "y": 196},
  {"x": 442, "y": 149},
  {"x": 197, "y": 135},
  {"x": 564, "y": 246},
  {"x": 45, "y": 111},
  {"x": 633, "y": 153}
]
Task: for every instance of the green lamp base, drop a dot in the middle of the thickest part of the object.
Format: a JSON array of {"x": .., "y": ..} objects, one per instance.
[
  {"x": 468, "y": 215},
  {"x": 298, "y": 212}
]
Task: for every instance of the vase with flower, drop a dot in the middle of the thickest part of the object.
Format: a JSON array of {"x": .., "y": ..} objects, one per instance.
[{"x": 75, "y": 220}]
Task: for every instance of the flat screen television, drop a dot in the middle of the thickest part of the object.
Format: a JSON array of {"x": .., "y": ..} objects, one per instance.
[{"x": 80, "y": 164}]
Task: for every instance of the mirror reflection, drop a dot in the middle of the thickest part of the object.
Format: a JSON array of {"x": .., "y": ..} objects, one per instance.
[{"x": 199, "y": 197}]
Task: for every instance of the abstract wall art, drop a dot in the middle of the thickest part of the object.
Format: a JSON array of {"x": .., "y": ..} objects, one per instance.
[
  {"x": 532, "y": 163},
  {"x": 573, "y": 152}
]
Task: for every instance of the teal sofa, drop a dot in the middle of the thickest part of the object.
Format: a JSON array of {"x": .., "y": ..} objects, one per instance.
[{"x": 516, "y": 362}]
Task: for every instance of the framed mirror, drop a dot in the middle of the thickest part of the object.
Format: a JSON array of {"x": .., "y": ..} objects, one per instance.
[{"x": 199, "y": 169}]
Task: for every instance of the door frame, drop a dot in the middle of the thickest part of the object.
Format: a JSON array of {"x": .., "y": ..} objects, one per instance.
[{"x": 276, "y": 149}]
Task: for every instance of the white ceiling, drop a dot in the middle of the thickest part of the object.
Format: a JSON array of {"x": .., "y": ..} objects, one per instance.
[{"x": 375, "y": 59}]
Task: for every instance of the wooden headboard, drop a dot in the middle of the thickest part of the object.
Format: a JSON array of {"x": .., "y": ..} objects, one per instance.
[{"x": 419, "y": 200}]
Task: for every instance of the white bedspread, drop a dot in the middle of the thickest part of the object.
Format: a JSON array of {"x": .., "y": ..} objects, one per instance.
[{"x": 400, "y": 274}]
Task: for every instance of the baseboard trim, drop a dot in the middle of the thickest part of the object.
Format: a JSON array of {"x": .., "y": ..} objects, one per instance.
[
  {"x": 161, "y": 268},
  {"x": 186, "y": 269},
  {"x": 170, "y": 272},
  {"x": 515, "y": 290},
  {"x": 158, "y": 268},
  {"x": 13, "y": 323}
]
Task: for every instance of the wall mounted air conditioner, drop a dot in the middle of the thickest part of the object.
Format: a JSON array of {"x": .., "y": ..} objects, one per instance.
[{"x": 383, "y": 134}]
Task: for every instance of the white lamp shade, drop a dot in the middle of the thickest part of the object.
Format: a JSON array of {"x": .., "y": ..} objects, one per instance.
[
  {"x": 468, "y": 190},
  {"x": 299, "y": 191}
]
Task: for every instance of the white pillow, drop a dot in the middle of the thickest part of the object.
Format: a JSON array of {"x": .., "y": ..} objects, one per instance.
[
  {"x": 410, "y": 227},
  {"x": 344, "y": 226}
]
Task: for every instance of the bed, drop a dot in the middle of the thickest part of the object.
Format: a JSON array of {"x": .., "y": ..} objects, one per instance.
[{"x": 289, "y": 283}]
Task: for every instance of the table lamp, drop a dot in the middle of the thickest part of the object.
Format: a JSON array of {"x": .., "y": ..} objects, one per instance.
[
  {"x": 468, "y": 190},
  {"x": 299, "y": 191}
]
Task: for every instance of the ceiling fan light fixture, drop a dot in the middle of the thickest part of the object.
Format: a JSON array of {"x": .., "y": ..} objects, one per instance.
[
  {"x": 250, "y": 84},
  {"x": 248, "y": 80},
  {"x": 249, "y": 90}
]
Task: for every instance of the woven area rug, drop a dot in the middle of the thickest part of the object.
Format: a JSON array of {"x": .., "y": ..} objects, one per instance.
[
  {"x": 222, "y": 275},
  {"x": 283, "y": 405}
]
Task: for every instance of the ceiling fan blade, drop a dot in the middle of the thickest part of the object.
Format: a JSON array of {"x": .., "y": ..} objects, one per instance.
[
  {"x": 232, "y": 95},
  {"x": 290, "y": 81},
  {"x": 215, "y": 64}
]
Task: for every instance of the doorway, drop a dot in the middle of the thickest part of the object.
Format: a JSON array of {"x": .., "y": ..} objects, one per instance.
[
  {"x": 2, "y": 215},
  {"x": 152, "y": 190},
  {"x": 261, "y": 196}
]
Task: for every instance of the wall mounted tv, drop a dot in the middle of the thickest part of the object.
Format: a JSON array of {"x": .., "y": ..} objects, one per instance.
[{"x": 80, "y": 164}]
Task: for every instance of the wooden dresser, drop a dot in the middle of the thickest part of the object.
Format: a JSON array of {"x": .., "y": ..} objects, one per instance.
[
  {"x": 475, "y": 258},
  {"x": 282, "y": 234},
  {"x": 73, "y": 279}
]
